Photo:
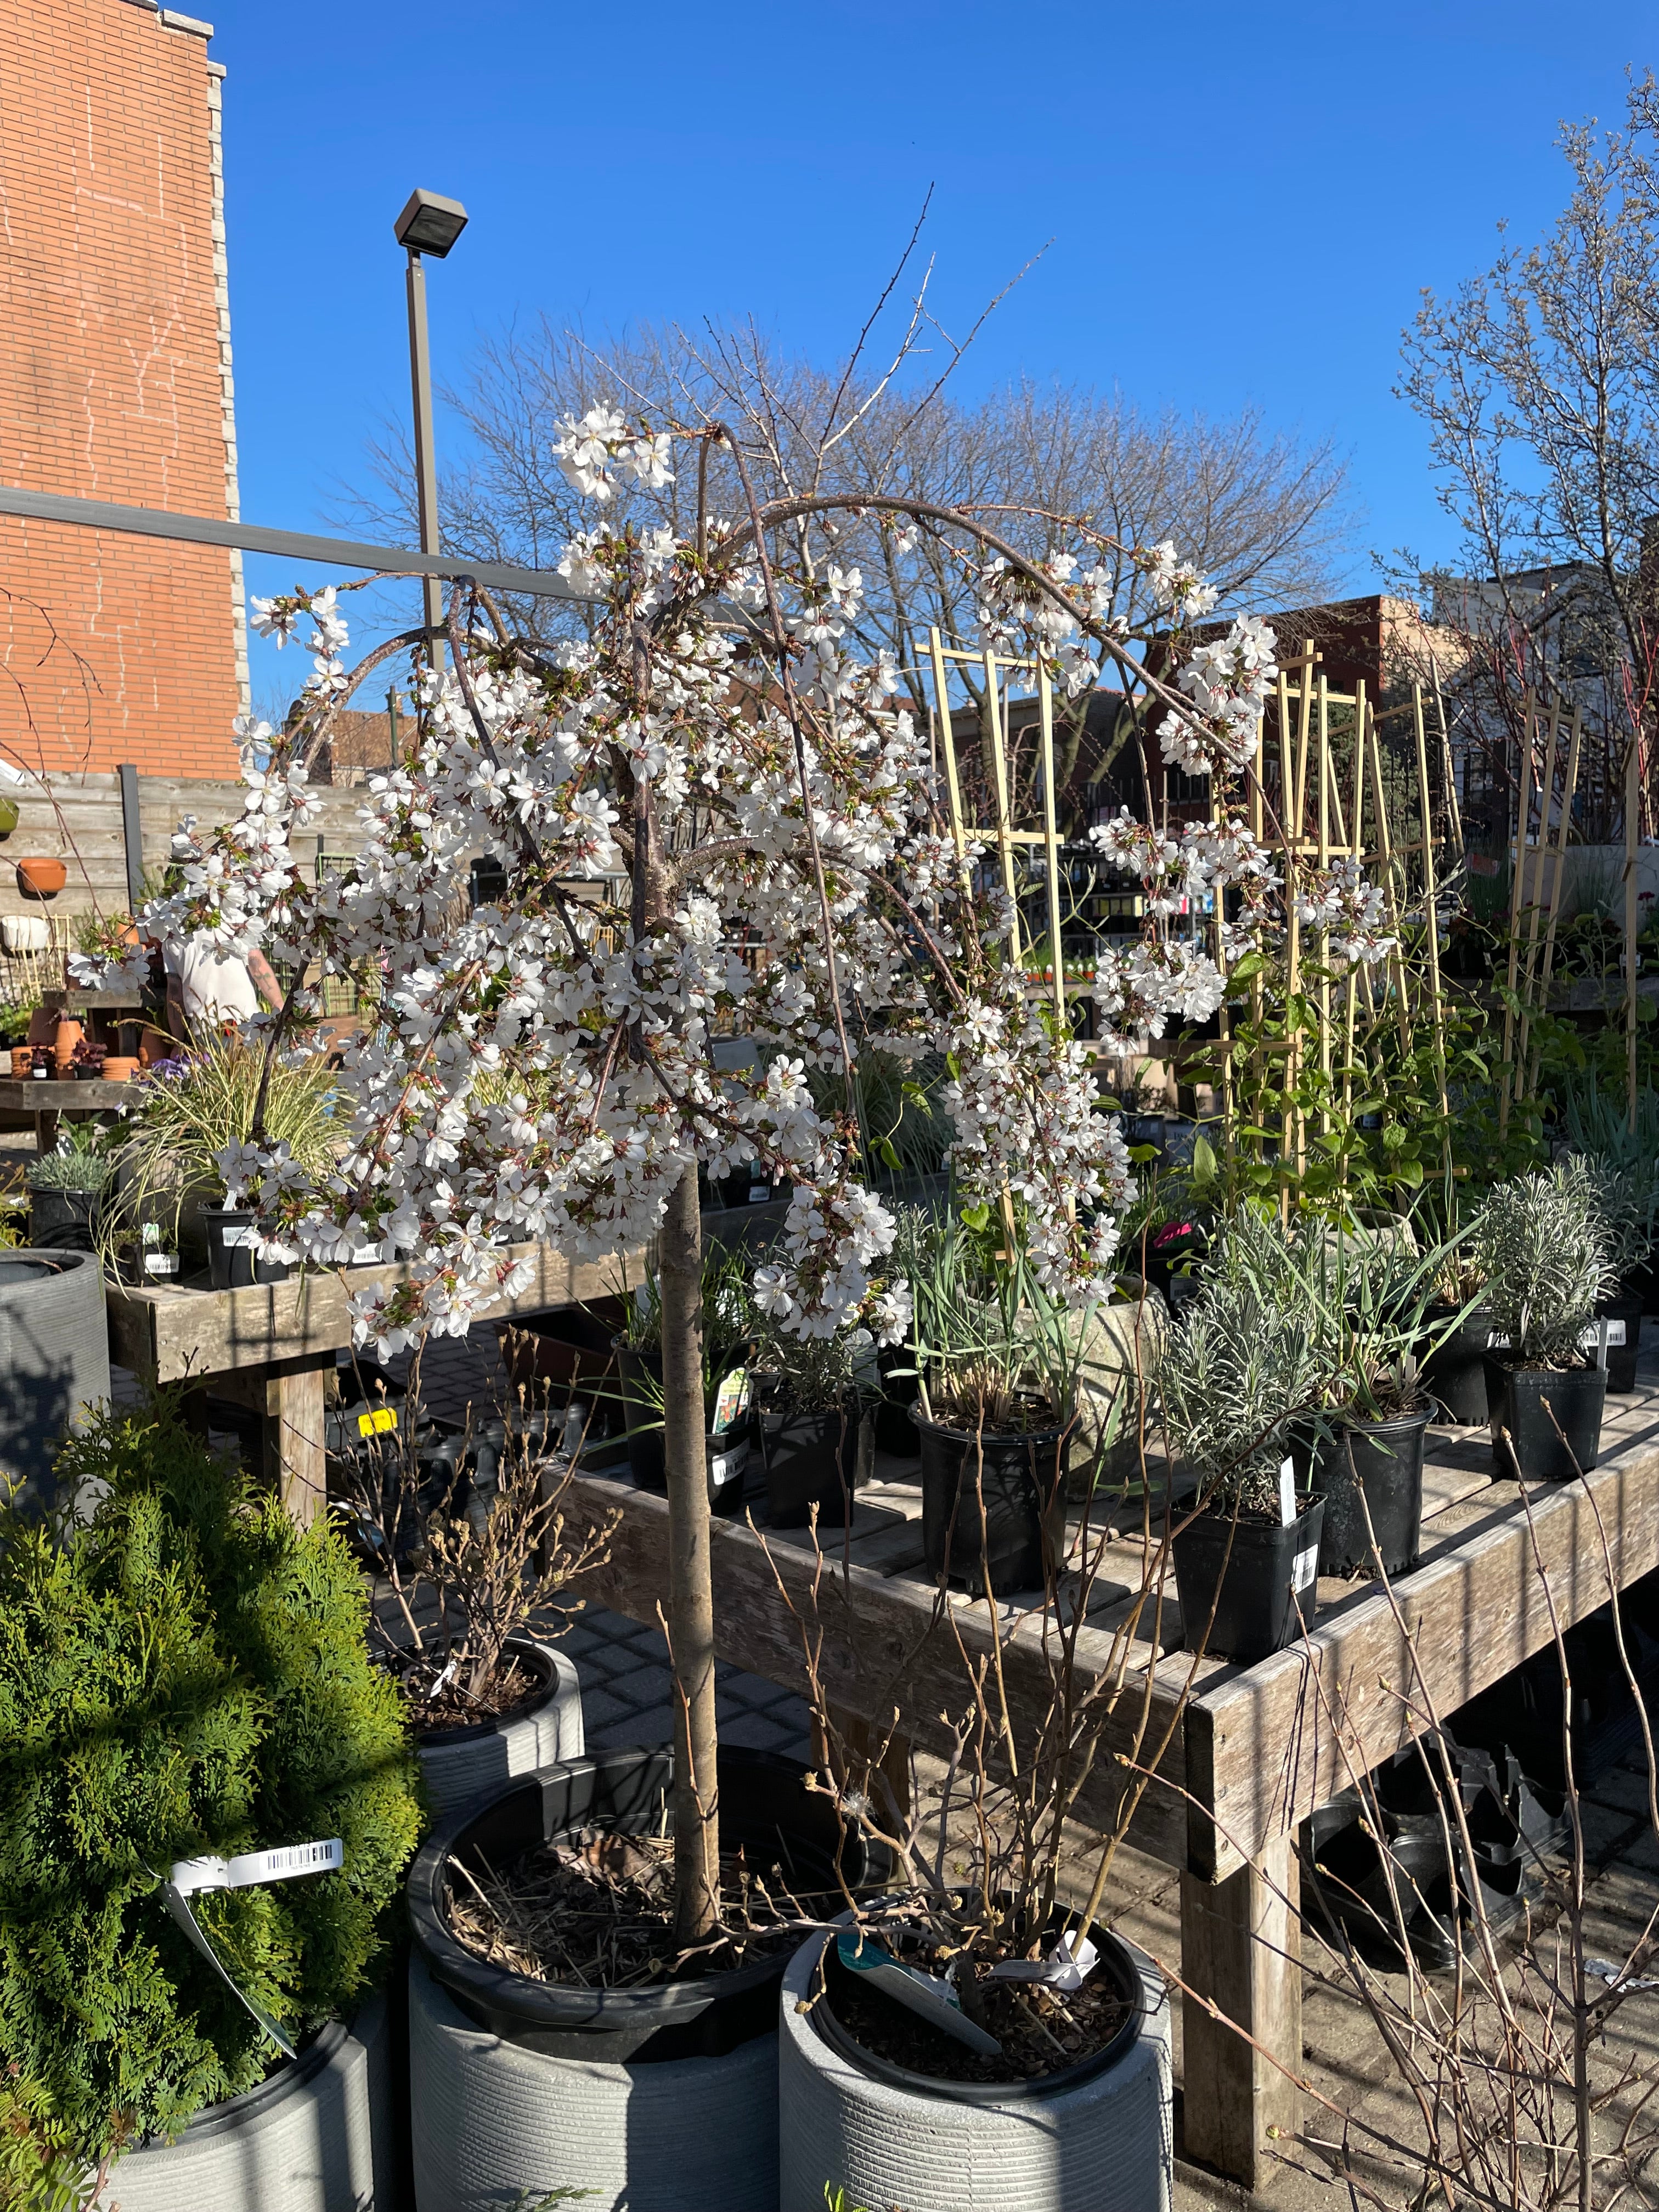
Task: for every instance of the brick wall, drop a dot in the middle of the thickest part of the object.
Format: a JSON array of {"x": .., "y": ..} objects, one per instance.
[{"x": 115, "y": 384}]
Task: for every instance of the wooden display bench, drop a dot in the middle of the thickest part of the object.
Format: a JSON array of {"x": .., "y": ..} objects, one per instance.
[
  {"x": 1251, "y": 1751},
  {"x": 49, "y": 1097},
  {"x": 271, "y": 1347}
]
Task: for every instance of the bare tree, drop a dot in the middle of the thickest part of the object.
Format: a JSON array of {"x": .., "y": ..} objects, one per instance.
[{"x": 1539, "y": 382}]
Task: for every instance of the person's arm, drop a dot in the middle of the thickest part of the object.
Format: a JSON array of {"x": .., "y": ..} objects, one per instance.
[{"x": 264, "y": 980}]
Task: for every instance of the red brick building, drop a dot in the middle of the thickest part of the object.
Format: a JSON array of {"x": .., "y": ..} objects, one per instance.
[{"x": 115, "y": 384}]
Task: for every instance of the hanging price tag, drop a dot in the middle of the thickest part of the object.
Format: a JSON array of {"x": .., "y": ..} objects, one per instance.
[
  {"x": 380, "y": 1423},
  {"x": 190, "y": 1876}
]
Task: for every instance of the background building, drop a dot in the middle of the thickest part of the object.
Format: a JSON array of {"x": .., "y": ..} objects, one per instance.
[{"x": 115, "y": 384}]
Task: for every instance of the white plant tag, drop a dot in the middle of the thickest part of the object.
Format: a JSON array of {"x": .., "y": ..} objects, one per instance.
[
  {"x": 283, "y": 1864},
  {"x": 922, "y": 1994},
  {"x": 160, "y": 1263},
  {"x": 1304, "y": 1569},
  {"x": 1286, "y": 1493},
  {"x": 1497, "y": 1342},
  {"x": 1059, "y": 1971},
  {"x": 1613, "y": 1332},
  {"x": 240, "y": 1239},
  {"x": 190, "y": 1876}
]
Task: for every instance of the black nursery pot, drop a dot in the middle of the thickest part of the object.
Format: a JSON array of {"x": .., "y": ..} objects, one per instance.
[
  {"x": 788, "y": 1834},
  {"x": 895, "y": 1431},
  {"x": 1455, "y": 1370},
  {"x": 725, "y": 1451},
  {"x": 1374, "y": 1467},
  {"x": 1021, "y": 1479},
  {"x": 232, "y": 1264},
  {"x": 1623, "y": 1315},
  {"x": 62, "y": 1220},
  {"x": 1576, "y": 1396},
  {"x": 809, "y": 1460},
  {"x": 1264, "y": 1591}
]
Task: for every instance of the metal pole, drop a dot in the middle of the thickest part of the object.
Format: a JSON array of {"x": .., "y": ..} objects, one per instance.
[
  {"x": 426, "y": 459},
  {"x": 132, "y": 834}
]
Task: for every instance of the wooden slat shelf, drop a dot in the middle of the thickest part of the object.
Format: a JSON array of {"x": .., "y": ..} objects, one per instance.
[
  {"x": 178, "y": 1333},
  {"x": 25, "y": 1094}
]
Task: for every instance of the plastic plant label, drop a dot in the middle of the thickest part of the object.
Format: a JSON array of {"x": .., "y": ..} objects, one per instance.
[
  {"x": 190, "y": 1876},
  {"x": 1286, "y": 1493},
  {"x": 727, "y": 1466},
  {"x": 380, "y": 1423},
  {"x": 1304, "y": 1569},
  {"x": 285, "y": 1863},
  {"x": 1497, "y": 1342},
  {"x": 242, "y": 1239},
  {"x": 759, "y": 1193},
  {"x": 922, "y": 1994},
  {"x": 1591, "y": 1338},
  {"x": 731, "y": 1398},
  {"x": 160, "y": 1263},
  {"x": 1059, "y": 1971}
]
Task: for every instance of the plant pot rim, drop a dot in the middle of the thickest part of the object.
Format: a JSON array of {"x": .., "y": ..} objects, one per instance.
[
  {"x": 1110, "y": 1947},
  {"x": 1540, "y": 1367},
  {"x": 539, "y": 1656},
  {"x": 1417, "y": 1417},
  {"x": 283, "y": 2081},
  {"x": 1306, "y": 1502},
  {"x": 569, "y": 2008},
  {"x": 993, "y": 1439}
]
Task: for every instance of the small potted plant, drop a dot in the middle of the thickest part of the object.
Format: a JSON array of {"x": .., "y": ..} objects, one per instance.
[
  {"x": 996, "y": 1365},
  {"x": 1628, "y": 1196},
  {"x": 190, "y": 1116},
  {"x": 186, "y": 1691},
  {"x": 1241, "y": 1377},
  {"x": 1454, "y": 1370},
  {"x": 810, "y": 1416},
  {"x": 1545, "y": 1246},
  {"x": 728, "y": 1329},
  {"x": 66, "y": 1186}
]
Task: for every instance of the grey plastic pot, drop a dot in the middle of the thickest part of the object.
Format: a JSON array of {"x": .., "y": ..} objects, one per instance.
[
  {"x": 318, "y": 2136},
  {"x": 1101, "y": 2144},
  {"x": 461, "y": 1765},
  {"x": 54, "y": 1361},
  {"x": 496, "y": 2123}
]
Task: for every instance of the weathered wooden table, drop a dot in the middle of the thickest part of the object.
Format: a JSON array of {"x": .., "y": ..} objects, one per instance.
[
  {"x": 270, "y": 1348},
  {"x": 49, "y": 1097},
  {"x": 1250, "y": 1751}
]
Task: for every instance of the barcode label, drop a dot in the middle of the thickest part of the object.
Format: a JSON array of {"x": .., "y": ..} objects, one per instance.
[
  {"x": 160, "y": 1263},
  {"x": 1304, "y": 1571},
  {"x": 240, "y": 1240},
  {"x": 285, "y": 1863}
]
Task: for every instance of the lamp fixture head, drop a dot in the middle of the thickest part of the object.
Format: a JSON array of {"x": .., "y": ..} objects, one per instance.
[{"x": 430, "y": 223}]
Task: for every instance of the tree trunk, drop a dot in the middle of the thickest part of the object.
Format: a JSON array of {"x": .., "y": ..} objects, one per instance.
[{"x": 690, "y": 1596}]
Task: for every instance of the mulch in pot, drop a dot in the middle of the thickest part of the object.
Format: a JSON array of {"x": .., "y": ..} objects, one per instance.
[
  {"x": 596, "y": 1910},
  {"x": 1043, "y": 2032},
  {"x": 514, "y": 1689}
]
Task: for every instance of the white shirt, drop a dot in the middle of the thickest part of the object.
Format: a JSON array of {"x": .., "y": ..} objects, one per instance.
[{"x": 215, "y": 986}]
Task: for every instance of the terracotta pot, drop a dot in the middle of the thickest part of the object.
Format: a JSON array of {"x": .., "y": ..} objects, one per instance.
[
  {"x": 119, "y": 1070},
  {"x": 41, "y": 877},
  {"x": 154, "y": 1044},
  {"x": 68, "y": 1035},
  {"x": 22, "y": 1060},
  {"x": 43, "y": 1026}
]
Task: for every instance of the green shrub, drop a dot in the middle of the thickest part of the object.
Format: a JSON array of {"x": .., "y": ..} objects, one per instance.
[{"x": 185, "y": 1674}]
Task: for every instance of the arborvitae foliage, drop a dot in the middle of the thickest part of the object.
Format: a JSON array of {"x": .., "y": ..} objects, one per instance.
[{"x": 185, "y": 1674}]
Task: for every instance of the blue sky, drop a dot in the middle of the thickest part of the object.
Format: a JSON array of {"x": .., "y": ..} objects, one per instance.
[{"x": 1244, "y": 202}]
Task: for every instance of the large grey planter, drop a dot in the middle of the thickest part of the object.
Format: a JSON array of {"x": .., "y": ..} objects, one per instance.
[
  {"x": 1106, "y": 2145},
  {"x": 318, "y": 2136},
  {"x": 494, "y": 2119},
  {"x": 461, "y": 1765},
  {"x": 54, "y": 1362}
]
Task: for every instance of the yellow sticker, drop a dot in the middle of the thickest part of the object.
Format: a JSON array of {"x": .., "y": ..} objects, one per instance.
[{"x": 377, "y": 1423}]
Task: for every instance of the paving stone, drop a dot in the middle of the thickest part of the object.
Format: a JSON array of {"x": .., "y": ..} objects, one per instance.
[
  {"x": 642, "y": 1686},
  {"x": 759, "y": 1732}
]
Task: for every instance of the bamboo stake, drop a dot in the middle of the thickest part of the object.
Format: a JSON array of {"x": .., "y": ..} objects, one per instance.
[
  {"x": 1391, "y": 904},
  {"x": 1291, "y": 829},
  {"x": 1632, "y": 839},
  {"x": 1257, "y": 824},
  {"x": 1051, "y": 840},
  {"x": 1432, "y": 918},
  {"x": 1522, "y": 811},
  {"x": 1355, "y": 841},
  {"x": 1535, "y": 903},
  {"x": 1299, "y": 815},
  {"x": 999, "y": 771},
  {"x": 1324, "y": 767},
  {"x": 953, "y": 788},
  {"x": 1564, "y": 830}
]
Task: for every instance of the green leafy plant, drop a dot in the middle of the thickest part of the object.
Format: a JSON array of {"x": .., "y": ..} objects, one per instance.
[
  {"x": 1545, "y": 1247},
  {"x": 815, "y": 1374},
  {"x": 728, "y": 1312},
  {"x": 70, "y": 1169},
  {"x": 183, "y": 1674},
  {"x": 994, "y": 1351},
  {"x": 186, "y": 1112}
]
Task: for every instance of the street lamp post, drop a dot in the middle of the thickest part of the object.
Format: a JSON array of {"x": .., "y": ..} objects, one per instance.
[{"x": 428, "y": 224}]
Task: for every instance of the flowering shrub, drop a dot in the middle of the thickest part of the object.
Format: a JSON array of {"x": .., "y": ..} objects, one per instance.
[{"x": 712, "y": 810}]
